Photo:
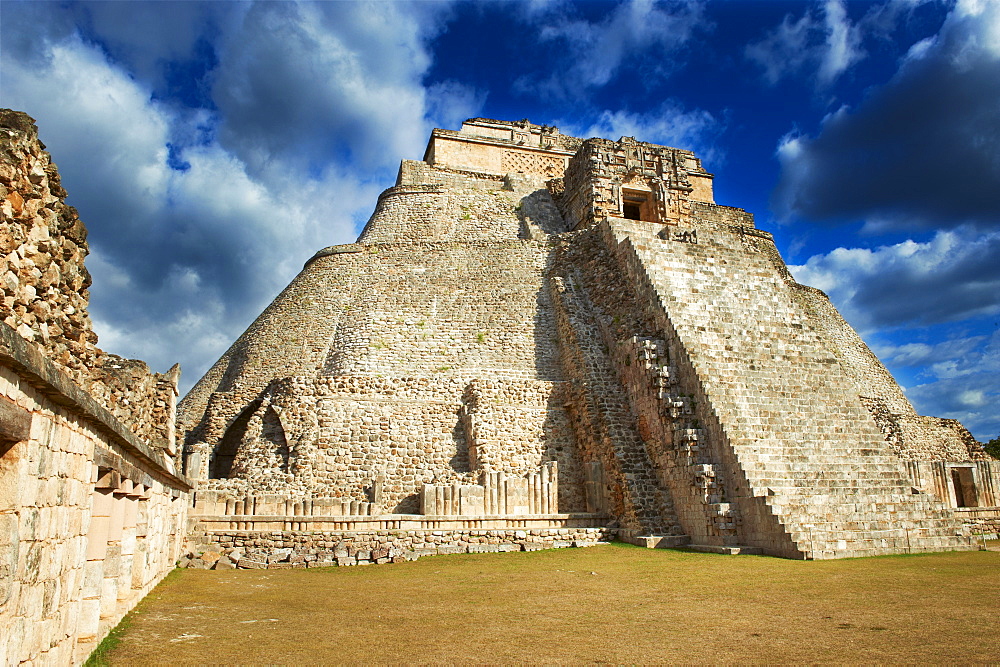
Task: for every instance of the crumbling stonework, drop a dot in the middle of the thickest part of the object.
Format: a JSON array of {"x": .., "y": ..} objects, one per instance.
[
  {"x": 45, "y": 285},
  {"x": 92, "y": 514},
  {"x": 91, "y": 518},
  {"x": 538, "y": 329}
]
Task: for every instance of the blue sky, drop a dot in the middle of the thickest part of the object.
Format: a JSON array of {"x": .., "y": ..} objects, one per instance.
[{"x": 212, "y": 147}]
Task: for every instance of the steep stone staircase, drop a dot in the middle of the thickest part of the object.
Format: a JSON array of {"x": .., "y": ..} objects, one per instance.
[
  {"x": 643, "y": 507},
  {"x": 806, "y": 446}
]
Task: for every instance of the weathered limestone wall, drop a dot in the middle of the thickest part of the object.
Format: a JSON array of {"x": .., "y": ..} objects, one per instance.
[
  {"x": 44, "y": 285},
  {"x": 90, "y": 516},
  {"x": 433, "y": 212},
  {"x": 379, "y": 440},
  {"x": 786, "y": 408},
  {"x": 403, "y": 310},
  {"x": 224, "y": 549},
  {"x": 602, "y": 171},
  {"x": 502, "y": 147}
]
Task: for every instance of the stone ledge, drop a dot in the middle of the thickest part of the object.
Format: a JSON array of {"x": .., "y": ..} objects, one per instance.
[
  {"x": 395, "y": 522},
  {"x": 729, "y": 551},
  {"x": 342, "y": 249},
  {"x": 24, "y": 358},
  {"x": 656, "y": 541}
]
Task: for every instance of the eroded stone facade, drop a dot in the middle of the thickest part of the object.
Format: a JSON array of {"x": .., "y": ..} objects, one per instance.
[
  {"x": 45, "y": 285},
  {"x": 527, "y": 309},
  {"x": 92, "y": 512}
]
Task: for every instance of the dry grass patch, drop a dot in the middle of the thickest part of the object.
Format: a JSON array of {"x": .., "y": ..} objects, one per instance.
[{"x": 616, "y": 604}]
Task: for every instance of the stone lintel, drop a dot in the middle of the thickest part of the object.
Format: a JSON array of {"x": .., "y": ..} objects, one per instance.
[{"x": 25, "y": 359}]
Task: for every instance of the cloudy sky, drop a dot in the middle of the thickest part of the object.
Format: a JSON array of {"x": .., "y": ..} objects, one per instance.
[{"x": 212, "y": 147}]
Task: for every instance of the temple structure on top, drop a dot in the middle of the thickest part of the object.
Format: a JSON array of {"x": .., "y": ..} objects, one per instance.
[{"x": 544, "y": 340}]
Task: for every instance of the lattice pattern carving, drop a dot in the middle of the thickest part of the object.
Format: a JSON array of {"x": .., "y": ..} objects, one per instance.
[{"x": 532, "y": 163}]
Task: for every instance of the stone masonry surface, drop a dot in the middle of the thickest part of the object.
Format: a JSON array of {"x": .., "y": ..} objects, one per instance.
[
  {"x": 92, "y": 513},
  {"x": 45, "y": 287},
  {"x": 579, "y": 322}
]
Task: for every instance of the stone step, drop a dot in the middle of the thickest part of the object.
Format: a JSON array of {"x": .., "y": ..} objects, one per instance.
[
  {"x": 917, "y": 537},
  {"x": 825, "y": 538},
  {"x": 804, "y": 462},
  {"x": 819, "y": 507},
  {"x": 845, "y": 548},
  {"x": 864, "y": 552},
  {"x": 861, "y": 490},
  {"x": 798, "y": 478}
]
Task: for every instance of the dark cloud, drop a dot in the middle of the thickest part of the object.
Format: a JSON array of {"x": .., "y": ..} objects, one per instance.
[
  {"x": 202, "y": 203},
  {"x": 962, "y": 284},
  {"x": 953, "y": 276},
  {"x": 921, "y": 151}
]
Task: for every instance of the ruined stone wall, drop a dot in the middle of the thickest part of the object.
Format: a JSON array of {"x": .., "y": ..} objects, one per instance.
[
  {"x": 427, "y": 309},
  {"x": 228, "y": 549},
  {"x": 937, "y": 439},
  {"x": 437, "y": 213},
  {"x": 378, "y": 440},
  {"x": 45, "y": 285},
  {"x": 90, "y": 517},
  {"x": 601, "y": 170},
  {"x": 502, "y": 147}
]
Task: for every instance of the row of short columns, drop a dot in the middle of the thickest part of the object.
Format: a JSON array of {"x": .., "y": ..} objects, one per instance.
[{"x": 115, "y": 571}]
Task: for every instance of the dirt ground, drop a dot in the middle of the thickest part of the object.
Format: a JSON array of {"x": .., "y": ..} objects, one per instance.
[{"x": 613, "y": 604}]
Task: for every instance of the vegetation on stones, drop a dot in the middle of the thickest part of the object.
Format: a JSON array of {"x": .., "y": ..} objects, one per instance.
[{"x": 993, "y": 447}]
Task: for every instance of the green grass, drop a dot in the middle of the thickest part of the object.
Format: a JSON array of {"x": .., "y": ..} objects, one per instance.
[
  {"x": 100, "y": 656},
  {"x": 614, "y": 603}
]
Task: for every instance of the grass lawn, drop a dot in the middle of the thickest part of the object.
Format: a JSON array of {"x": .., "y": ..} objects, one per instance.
[{"x": 616, "y": 604}]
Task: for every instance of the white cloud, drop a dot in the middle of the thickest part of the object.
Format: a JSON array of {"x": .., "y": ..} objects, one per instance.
[
  {"x": 198, "y": 215},
  {"x": 668, "y": 125},
  {"x": 592, "y": 53},
  {"x": 953, "y": 276},
  {"x": 843, "y": 43},
  {"x": 826, "y": 43}
]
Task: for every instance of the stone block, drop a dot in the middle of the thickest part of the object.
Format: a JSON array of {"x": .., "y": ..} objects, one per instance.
[
  {"x": 9, "y": 548},
  {"x": 210, "y": 557},
  {"x": 471, "y": 500}
]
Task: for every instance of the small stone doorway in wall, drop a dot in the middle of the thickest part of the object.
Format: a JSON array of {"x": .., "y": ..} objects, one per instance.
[
  {"x": 637, "y": 205},
  {"x": 963, "y": 484}
]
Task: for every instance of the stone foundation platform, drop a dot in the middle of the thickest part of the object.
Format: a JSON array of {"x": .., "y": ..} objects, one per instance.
[{"x": 282, "y": 549}]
